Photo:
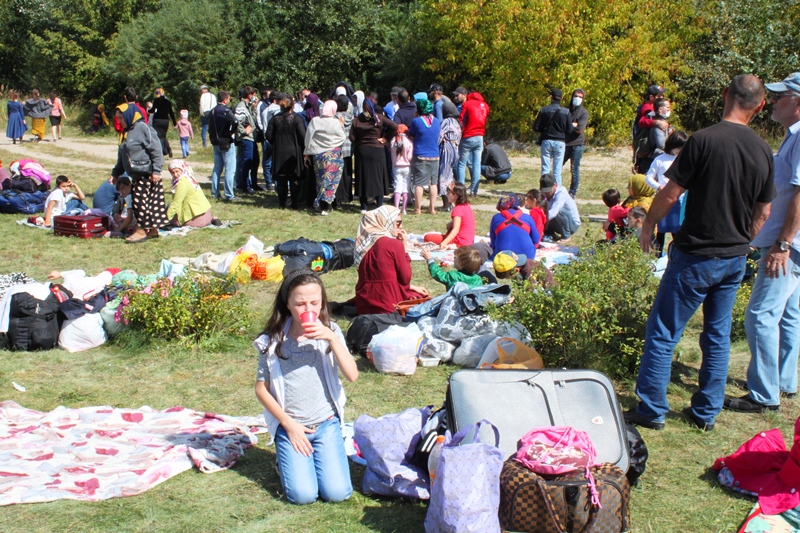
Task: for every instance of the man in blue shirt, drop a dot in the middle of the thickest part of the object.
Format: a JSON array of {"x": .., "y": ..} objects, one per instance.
[{"x": 772, "y": 319}]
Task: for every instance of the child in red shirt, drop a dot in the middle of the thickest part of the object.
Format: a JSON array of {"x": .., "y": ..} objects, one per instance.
[
  {"x": 534, "y": 202},
  {"x": 616, "y": 214}
]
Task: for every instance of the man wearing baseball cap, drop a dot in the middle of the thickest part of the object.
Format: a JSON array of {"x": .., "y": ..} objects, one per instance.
[
  {"x": 508, "y": 263},
  {"x": 727, "y": 170},
  {"x": 459, "y": 97},
  {"x": 772, "y": 319},
  {"x": 553, "y": 123},
  {"x": 563, "y": 218}
]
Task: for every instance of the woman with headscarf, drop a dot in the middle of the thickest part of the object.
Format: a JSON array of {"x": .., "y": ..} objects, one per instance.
[
  {"x": 324, "y": 139},
  {"x": 513, "y": 230},
  {"x": 639, "y": 193},
  {"x": 38, "y": 109},
  {"x": 189, "y": 206},
  {"x": 286, "y": 133},
  {"x": 449, "y": 137},
  {"x": 310, "y": 109},
  {"x": 359, "y": 96},
  {"x": 15, "y": 112},
  {"x": 161, "y": 113},
  {"x": 346, "y": 89},
  {"x": 344, "y": 112},
  {"x": 147, "y": 191},
  {"x": 384, "y": 267},
  {"x": 424, "y": 132},
  {"x": 369, "y": 134}
]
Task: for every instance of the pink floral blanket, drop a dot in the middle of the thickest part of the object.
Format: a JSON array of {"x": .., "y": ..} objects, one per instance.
[{"x": 96, "y": 453}]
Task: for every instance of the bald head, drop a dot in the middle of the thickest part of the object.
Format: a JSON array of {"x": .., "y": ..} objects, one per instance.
[{"x": 747, "y": 91}]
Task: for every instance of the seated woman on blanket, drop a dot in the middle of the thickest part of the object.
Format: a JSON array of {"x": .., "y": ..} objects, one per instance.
[
  {"x": 189, "y": 205},
  {"x": 62, "y": 201},
  {"x": 384, "y": 267},
  {"x": 512, "y": 229},
  {"x": 461, "y": 228}
]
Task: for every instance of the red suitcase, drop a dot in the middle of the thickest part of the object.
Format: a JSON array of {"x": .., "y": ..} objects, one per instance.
[{"x": 82, "y": 226}]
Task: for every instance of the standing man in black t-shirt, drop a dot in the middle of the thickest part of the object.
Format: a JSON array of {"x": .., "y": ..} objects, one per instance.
[{"x": 727, "y": 171}]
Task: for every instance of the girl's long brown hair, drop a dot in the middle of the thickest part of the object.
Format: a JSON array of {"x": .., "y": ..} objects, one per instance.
[{"x": 280, "y": 309}]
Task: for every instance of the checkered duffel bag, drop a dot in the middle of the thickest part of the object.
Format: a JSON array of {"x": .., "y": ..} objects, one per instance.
[{"x": 530, "y": 503}]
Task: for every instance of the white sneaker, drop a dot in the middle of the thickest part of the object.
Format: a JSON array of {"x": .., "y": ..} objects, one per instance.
[{"x": 323, "y": 213}]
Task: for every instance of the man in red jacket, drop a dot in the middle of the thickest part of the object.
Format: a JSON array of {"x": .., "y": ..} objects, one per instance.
[{"x": 474, "y": 113}]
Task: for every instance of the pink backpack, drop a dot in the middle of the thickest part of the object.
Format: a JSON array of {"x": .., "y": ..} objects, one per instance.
[{"x": 558, "y": 450}]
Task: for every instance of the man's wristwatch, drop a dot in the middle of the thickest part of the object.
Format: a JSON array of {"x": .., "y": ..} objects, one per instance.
[{"x": 783, "y": 246}]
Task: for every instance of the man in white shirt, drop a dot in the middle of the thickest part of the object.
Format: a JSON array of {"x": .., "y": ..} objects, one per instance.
[
  {"x": 265, "y": 114},
  {"x": 207, "y": 102}
]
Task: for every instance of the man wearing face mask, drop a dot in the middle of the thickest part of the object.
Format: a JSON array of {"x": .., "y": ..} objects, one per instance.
[
  {"x": 574, "y": 142},
  {"x": 658, "y": 135}
]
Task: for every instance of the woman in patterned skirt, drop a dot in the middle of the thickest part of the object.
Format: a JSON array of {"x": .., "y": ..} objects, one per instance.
[{"x": 324, "y": 139}]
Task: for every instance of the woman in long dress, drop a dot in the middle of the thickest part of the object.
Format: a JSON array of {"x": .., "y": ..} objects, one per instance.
[
  {"x": 38, "y": 109},
  {"x": 324, "y": 140},
  {"x": 369, "y": 134},
  {"x": 16, "y": 118},
  {"x": 286, "y": 133},
  {"x": 449, "y": 137}
]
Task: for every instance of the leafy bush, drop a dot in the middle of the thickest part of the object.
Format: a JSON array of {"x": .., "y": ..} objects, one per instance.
[
  {"x": 739, "y": 307},
  {"x": 191, "y": 309},
  {"x": 595, "y": 316}
]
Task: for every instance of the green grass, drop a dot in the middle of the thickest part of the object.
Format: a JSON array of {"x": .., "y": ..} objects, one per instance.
[{"x": 676, "y": 494}]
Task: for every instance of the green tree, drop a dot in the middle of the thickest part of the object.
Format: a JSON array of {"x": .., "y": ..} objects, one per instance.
[
  {"x": 515, "y": 50},
  {"x": 754, "y": 37},
  {"x": 61, "y": 44},
  {"x": 181, "y": 46}
]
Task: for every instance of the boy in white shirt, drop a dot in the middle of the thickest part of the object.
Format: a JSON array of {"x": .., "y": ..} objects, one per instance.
[{"x": 62, "y": 200}]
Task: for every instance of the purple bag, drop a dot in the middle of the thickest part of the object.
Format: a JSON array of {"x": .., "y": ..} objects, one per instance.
[
  {"x": 387, "y": 444},
  {"x": 466, "y": 494}
]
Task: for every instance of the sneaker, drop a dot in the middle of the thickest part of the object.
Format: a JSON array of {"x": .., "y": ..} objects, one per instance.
[
  {"x": 788, "y": 395},
  {"x": 323, "y": 213},
  {"x": 745, "y": 404},
  {"x": 702, "y": 426},
  {"x": 633, "y": 417},
  {"x": 258, "y": 188},
  {"x": 271, "y": 187}
]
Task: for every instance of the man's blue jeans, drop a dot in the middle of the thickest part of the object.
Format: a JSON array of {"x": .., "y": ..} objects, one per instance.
[
  {"x": 226, "y": 159},
  {"x": 561, "y": 224},
  {"x": 246, "y": 165},
  {"x": 553, "y": 158},
  {"x": 203, "y": 128},
  {"x": 772, "y": 324},
  {"x": 469, "y": 152},
  {"x": 325, "y": 475},
  {"x": 574, "y": 153},
  {"x": 690, "y": 280},
  {"x": 499, "y": 179},
  {"x": 266, "y": 163}
]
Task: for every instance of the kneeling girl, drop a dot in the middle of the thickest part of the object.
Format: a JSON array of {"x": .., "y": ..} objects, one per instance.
[{"x": 300, "y": 355}]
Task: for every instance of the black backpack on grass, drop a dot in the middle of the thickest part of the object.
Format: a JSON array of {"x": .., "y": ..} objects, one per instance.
[
  {"x": 364, "y": 327},
  {"x": 33, "y": 324}
]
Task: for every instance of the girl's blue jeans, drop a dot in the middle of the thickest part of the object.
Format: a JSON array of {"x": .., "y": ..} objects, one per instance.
[{"x": 325, "y": 475}]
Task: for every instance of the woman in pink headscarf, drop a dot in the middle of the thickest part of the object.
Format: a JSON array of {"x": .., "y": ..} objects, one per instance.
[
  {"x": 189, "y": 206},
  {"x": 324, "y": 139}
]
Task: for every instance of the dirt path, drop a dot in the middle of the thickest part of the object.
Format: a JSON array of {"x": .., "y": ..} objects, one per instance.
[{"x": 101, "y": 152}]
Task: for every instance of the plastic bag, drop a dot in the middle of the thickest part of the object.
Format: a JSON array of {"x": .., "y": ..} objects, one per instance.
[
  {"x": 82, "y": 333},
  {"x": 508, "y": 352},
  {"x": 242, "y": 266},
  {"x": 394, "y": 351}
]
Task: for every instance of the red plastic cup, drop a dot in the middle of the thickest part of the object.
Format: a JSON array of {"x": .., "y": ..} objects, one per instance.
[{"x": 308, "y": 316}]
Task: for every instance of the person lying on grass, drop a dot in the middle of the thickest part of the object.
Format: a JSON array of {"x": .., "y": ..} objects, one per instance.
[{"x": 300, "y": 354}]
